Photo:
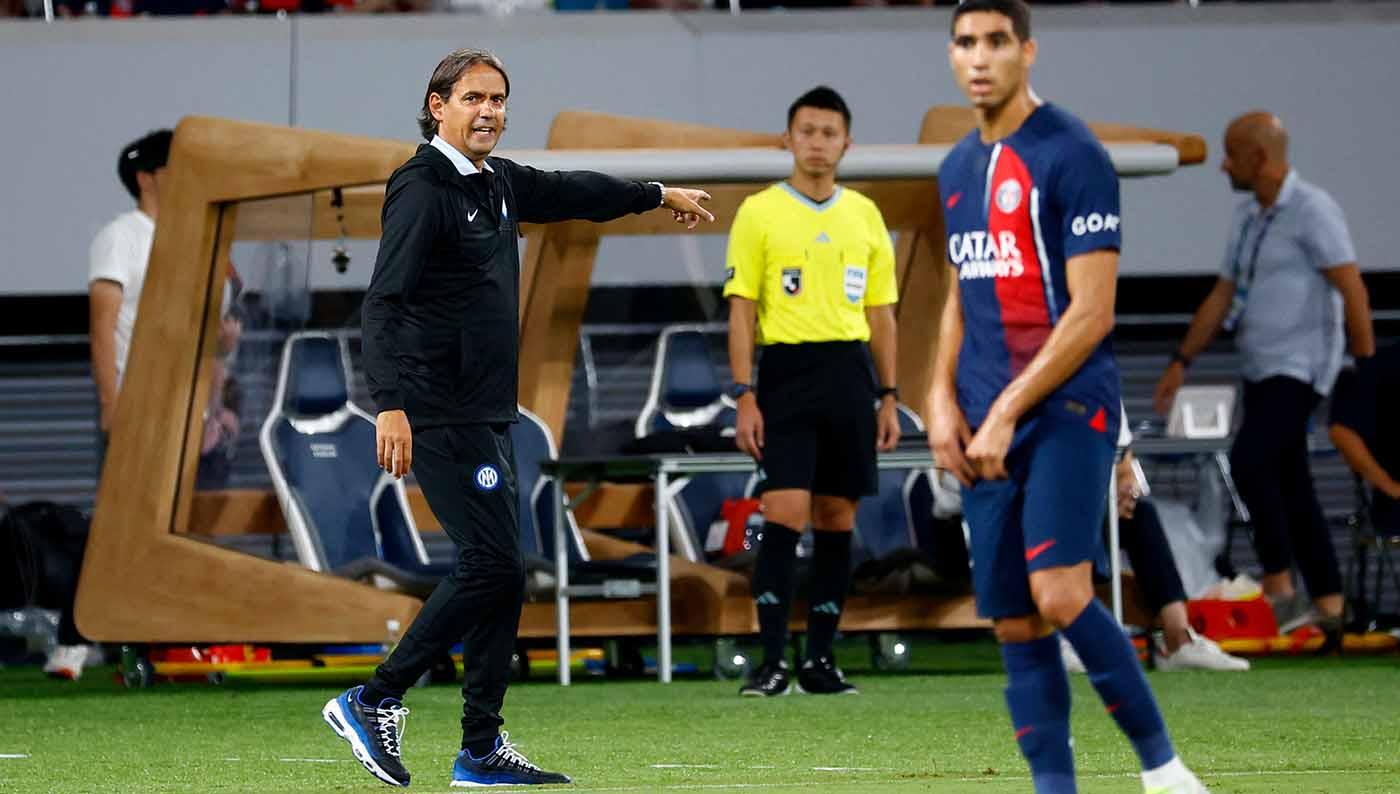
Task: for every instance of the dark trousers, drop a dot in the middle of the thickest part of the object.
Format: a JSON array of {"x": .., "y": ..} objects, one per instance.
[
  {"x": 1145, "y": 541},
  {"x": 1270, "y": 465},
  {"x": 467, "y": 474}
]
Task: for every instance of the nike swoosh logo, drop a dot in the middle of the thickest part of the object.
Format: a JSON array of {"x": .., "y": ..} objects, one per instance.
[
  {"x": 471, "y": 216},
  {"x": 1038, "y": 549},
  {"x": 953, "y": 199}
]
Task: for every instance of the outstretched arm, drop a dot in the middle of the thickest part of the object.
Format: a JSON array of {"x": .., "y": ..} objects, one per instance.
[{"x": 550, "y": 196}]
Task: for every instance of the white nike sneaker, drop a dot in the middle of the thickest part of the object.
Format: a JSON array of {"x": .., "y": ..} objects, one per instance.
[
  {"x": 1073, "y": 664},
  {"x": 67, "y": 661},
  {"x": 1192, "y": 786},
  {"x": 1200, "y": 653},
  {"x": 1172, "y": 778}
]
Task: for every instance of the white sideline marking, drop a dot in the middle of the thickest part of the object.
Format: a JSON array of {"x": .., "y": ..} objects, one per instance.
[
  {"x": 313, "y": 760},
  {"x": 937, "y": 780},
  {"x": 848, "y": 769},
  {"x": 13, "y": 756},
  {"x": 685, "y": 766}
]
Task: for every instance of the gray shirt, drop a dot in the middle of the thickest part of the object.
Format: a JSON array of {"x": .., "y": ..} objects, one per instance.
[{"x": 1292, "y": 318}]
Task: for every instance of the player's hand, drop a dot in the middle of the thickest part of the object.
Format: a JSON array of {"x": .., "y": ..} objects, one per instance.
[
  {"x": 987, "y": 452},
  {"x": 948, "y": 436},
  {"x": 1167, "y": 387},
  {"x": 393, "y": 442},
  {"x": 684, "y": 204},
  {"x": 1391, "y": 489},
  {"x": 1128, "y": 493},
  {"x": 748, "y": 428},
  {"x": 887, "y": 425}
]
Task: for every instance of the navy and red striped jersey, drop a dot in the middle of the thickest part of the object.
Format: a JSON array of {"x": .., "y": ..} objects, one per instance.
[{"x": 1016, "y": 211}]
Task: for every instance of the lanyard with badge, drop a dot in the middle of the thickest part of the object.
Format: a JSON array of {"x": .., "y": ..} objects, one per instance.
[{"x": 1242, "y": 285}]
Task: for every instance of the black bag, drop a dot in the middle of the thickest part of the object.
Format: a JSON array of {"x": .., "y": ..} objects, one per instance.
[{"x": 41, "y": 555}]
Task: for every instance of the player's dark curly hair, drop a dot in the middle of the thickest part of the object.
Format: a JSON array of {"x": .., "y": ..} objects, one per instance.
[
  {"x": 823, "y": 98},
  {"x": 1016, "y": 10}
]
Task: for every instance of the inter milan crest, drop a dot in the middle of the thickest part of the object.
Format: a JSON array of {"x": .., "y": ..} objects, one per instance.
[{"x": 792, "y": 281}]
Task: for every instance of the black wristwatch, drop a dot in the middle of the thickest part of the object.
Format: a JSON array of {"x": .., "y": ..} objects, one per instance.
[
  {"x": 1179, "y": 357},
  {"x": 739, "y": 390},
  {"x": 889, "y": 391}
]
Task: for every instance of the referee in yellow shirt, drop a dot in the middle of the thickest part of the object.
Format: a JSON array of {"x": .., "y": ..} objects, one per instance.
[{"x": 811, "y": 279}]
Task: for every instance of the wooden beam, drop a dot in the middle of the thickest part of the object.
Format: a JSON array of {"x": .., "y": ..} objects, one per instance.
[
  {"x": 949, "y": 123},
  {"x": 141, "y": 581}
]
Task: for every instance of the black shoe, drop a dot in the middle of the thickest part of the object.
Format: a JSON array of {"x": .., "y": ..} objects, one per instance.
[
  {"x": 1333, "y": 634},
  {"x": 503, "y": 766},
  {"x": 769, "y": 680},
  {"x": 372, "y": 731},
  {"x": 822, "y": 677}
]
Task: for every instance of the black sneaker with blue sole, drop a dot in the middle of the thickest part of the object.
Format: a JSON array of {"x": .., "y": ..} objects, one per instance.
[
  {"x": 503, "y": 766},
  {"x": 372, "y": 731}
]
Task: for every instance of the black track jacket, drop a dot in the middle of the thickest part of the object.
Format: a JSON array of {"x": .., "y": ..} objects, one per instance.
[{"x": 441, "y": 315}]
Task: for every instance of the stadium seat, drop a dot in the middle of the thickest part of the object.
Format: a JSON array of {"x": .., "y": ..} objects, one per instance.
[
  {"x": 1369, "y": 536},
  {"x": 886, "y": 522},
  {"x": 345, "y": 515},
  {"x": 533, "y": 445},
  {"x": 686, "y": 393},
  {"x": 685, "y": 388}
]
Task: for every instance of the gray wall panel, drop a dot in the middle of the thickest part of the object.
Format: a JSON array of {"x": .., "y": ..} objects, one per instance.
[
  {"x": 1322, "y": 69},
  {"x": 75, "y": 93}
]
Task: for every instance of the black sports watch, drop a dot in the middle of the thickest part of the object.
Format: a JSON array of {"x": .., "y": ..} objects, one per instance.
[
  {"x": 739, "y": 390},
  {"x": 889, "y": 391}
]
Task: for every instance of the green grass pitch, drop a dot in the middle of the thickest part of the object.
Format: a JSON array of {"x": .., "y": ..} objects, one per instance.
[{"x": 1290, "y": 725}]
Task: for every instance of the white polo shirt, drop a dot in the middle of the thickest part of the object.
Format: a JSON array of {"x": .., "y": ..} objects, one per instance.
[
  {"x": 1292, "y": 323},
  {"x": 120, "y": 253}
]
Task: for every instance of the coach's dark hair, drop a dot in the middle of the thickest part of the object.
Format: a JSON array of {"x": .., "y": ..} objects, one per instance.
[
  {"x": 446, "y": 75},
  {"x": 823, "y": 98},
  {"x": 1016, "y": 10}
]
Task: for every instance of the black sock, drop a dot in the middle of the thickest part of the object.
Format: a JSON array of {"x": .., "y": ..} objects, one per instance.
[
  {"x": 772, "y": 587},
  {"x": 372, "y": 696},
  {"x": 831, "y": 576},
  {"x": 479, "y": 748}
]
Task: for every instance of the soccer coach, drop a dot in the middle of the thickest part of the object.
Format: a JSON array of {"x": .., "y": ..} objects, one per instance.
[{"x": 441, "y": 349}]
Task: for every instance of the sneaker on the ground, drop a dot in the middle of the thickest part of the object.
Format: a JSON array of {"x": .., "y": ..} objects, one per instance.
[
  {"x": 1293, "y": 612},
  {"x": 1073, "y": 664},
  {"x": 503, "y": 766},
  {"x": 68, "y": 661},
  {"x": 1192, "y": 786},
  {"x": 1172, "y": 778},
  {"x": 1199, "y": 653},
  {"x": 769, "y": 680},
  {"x": 822, "y": 677},
  {"x": 374, "y": 732}
]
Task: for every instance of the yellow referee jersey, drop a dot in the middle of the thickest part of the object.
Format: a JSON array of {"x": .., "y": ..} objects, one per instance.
[{"x": 812, "y": 268}]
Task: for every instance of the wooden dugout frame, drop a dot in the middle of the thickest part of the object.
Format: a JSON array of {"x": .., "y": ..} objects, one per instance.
[{"x": 145, "y": 579}]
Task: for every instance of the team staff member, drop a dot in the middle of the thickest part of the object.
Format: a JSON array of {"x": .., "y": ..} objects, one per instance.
[
  {"x": 1290, "y": 283},
  {"x": 1025, "y": 402},
  {"x": 811, "y": 269},
  {"x": 441, "y": 350}
]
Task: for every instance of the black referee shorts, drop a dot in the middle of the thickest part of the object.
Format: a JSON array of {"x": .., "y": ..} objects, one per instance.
[{"x": 818, "y": 404}]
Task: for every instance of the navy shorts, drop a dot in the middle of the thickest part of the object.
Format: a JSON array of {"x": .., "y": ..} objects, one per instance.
[{"x": 1048, "y": 513}]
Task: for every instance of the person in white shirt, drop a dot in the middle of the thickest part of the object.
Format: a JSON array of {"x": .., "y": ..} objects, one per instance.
[
  {"x": 117, "y": 264},
  {"x": 117, "y": 270}
]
